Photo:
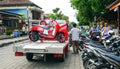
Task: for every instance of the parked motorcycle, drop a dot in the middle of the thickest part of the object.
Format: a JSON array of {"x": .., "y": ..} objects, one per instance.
[
  {"x": 115, "y": 47},
  {"x": 105, "y": 38},
  {"x": 112, "y": 60},
  {"x": 98, "y": 57},
  {"x": 95, "y": 36}
]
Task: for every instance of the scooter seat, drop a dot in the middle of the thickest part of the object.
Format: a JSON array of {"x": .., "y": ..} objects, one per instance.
[
  {"x": 113, "y": 57},
  {"x": 110, "y": 55},
  {"x": 46, "y": 27},
  {"x": 102, "y": 48}
]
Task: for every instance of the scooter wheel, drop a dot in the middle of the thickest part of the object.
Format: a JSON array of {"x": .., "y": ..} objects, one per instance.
[
  {"x": 61, "y": 37},
  {"x": 34, "y": 36}
]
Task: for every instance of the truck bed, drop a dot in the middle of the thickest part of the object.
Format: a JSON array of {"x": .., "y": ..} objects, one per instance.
[{"x": 38, "y": 47}]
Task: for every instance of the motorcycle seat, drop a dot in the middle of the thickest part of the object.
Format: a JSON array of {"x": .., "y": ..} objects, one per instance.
[
  {"x": 46, "y": 27},
  {"x": 103, "y": 49},
  {"x": 96, "y": 44},
  {"x": 113, "y": 57}
]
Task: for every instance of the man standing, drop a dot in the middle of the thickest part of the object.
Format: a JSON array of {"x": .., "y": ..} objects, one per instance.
[
  {"x": 75, "y": 32},
  {"x": 94, "y": 32}
]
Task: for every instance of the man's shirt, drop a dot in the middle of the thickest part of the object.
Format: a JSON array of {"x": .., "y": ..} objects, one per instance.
[
  {"x": 95, "y": 29},
  {"x": 75, "y": 34}
]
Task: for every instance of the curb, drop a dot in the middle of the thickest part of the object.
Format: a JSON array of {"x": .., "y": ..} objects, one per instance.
[
  {"x": 11, "y": 37},
  {"x": 6, "y": 38},
  {"x": 4, "y": 44}
]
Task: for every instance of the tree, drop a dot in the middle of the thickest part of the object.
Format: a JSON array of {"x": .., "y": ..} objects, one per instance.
[
  {"x": 89, "y": 10},
  {"x": 57, "y": 14},
  {"x": 56, "y": 10}
]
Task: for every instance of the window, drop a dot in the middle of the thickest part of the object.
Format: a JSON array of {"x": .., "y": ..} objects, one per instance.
[{"x": 15, "y": 24}]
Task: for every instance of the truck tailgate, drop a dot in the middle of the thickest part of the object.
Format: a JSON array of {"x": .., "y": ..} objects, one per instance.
[{"x": 45, "y": 47}]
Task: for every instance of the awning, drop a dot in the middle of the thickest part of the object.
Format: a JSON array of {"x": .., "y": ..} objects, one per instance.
[
  {"x": 9, "y": 14},
  {"x": 114, "y": 6}
]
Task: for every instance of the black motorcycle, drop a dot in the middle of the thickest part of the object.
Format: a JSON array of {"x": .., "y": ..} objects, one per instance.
[
  {"x": 95, "y": 35},
  {"x": 100, "y": 58}
]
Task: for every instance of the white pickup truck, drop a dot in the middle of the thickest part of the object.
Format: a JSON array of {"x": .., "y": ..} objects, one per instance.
[{"x": 47, "y": 49}]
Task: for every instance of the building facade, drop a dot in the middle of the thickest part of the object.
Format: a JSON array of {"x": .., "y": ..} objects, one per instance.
[{"x": 27, "y": 9}]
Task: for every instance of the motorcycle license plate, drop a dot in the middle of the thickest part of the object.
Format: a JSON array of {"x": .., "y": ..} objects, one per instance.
[{"x": 45, "y": 32}]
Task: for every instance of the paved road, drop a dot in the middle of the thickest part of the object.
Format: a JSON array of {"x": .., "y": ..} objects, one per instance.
[{"x": 9, "y": 61}]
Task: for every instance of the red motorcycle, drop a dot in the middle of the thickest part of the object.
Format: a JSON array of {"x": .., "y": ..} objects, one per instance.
[{"x": 49, "y": 30}]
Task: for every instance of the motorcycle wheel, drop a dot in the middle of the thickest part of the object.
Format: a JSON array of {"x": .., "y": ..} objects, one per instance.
[
  {"x": 89, "y": 65},
  {"x": 85, "y": 59},
  {"x": 60, "y": 37},
  {"x": 84, "y": 53},
  {"x": 34, "y": 36},
  {"x": 103, "y": 66}
]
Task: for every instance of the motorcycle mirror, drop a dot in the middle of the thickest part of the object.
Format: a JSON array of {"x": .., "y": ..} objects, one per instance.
[
  {"x": 111, "y": 31},
  {"x": 107, "y": 41}
]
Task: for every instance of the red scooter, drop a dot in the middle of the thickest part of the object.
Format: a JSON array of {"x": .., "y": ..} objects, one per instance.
[{"x": 49, "y": 30}]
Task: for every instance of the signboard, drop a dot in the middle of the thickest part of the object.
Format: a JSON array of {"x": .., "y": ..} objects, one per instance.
[{"x": 22, "y": 12}]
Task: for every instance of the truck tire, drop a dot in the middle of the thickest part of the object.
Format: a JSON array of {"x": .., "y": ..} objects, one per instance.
[
  {"x": 29, "y": 56},
  {"x": 34, "y": 36}
]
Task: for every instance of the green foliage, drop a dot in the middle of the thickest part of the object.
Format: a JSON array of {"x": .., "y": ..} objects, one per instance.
[
  {"x": 9, "y": 32},
  {"x": 57, "y": 14},
  {"x": 88, "y": 9},
  {"x": 56, "y": 10},
  {"x": 52, "y": 16}
]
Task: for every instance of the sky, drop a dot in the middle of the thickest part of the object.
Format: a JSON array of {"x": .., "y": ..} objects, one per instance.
[{"x": 64, "y": 5}]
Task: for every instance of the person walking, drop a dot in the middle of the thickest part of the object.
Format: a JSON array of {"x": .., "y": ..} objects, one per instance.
[
  {"x": 24, "y": 29},
  {"x": 75, "y": 33}
]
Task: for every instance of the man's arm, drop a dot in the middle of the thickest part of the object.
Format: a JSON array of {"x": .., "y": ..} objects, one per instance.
[{"x": 90, "y": 31}]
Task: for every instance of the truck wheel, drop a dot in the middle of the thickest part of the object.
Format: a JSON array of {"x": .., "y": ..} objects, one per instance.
[
  {"x": 63, "y": 58},
  {"x": 29, "y": 56},
  {"x": 49, "y": 57},
  {"x": 61, "y": 37},
  {"x": 33, "y": 36}
]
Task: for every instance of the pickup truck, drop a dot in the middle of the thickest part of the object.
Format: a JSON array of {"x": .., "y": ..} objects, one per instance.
[{"x": 46, "y": 49}]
